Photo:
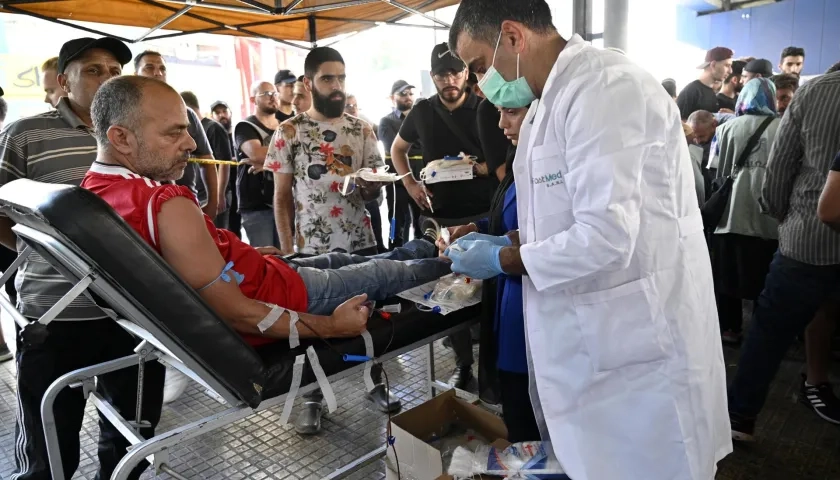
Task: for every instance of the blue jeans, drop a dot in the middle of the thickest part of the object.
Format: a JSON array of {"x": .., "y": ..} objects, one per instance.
[
  {"x": 333, "y": 278},
  {"x": 260, "y": 228},
  {"x": 793, "y": 292}
]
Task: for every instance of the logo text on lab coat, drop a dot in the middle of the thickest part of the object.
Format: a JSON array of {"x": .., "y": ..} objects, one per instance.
[{"x": 549, "y": 179}]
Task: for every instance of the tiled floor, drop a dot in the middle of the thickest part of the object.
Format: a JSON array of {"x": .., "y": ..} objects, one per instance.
[{"x": 793, "y": 442}]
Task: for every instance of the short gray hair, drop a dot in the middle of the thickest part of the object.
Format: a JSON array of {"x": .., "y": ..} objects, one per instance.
[{"x": 117, "y": 102}]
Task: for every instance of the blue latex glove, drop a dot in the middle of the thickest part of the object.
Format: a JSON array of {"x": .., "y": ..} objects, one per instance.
[
  {"x": 502, "y": 241},
  {"x": 477, "y": 259}
]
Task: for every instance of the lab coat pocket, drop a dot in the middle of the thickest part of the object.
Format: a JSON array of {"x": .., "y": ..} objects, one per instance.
[
  {"x": 621, "y": 326},
  {"x": 548, "y": 180}
]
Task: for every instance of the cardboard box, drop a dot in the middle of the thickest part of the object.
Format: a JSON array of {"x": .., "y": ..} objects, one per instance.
[{"x": 413, "y": 428}]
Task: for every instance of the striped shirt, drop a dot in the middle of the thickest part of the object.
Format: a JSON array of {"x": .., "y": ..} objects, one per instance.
[
  {"x": 807, "y": 141},
  {"x": 54, "y": 147}
]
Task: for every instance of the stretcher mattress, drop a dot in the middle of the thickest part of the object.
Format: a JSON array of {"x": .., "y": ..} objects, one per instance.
[{"x": 86, "y": 225}]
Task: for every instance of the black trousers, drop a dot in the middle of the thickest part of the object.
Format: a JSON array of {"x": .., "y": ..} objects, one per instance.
[
  {"x": 406, "y": 213},
  {"x": 518, "y": 413},
  {"x": 71, "y": 346}
]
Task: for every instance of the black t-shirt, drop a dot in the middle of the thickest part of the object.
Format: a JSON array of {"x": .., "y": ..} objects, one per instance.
[
  {"x": 451, "y": 199},
  {"x": 218, "y": 138},
  {"x": 494, "y": 143},
  {"x": 697, "y": 96},
  {"x": 389, "y": 127},
  {"x": 726, "y": 102},
  {"x": 282, "y": 117},
  {"x": 255, "y": 191}
]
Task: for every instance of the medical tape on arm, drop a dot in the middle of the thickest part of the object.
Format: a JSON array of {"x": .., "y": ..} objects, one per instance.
[
  {"x": 369, "y": 385},
  {"x": 326, "y": 388},
  {"x": 270, "y": 319},
  {"x": 297, "y": 375}
]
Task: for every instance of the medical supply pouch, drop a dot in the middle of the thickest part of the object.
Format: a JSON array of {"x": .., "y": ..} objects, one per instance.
[{"x": 527, "y": 460}]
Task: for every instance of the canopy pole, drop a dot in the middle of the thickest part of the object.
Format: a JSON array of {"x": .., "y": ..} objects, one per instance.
[
  {"x": 167, "y": 21},
  {"x": 288, "y": 8},
  {"x": 313, "y": 30},
  {"x": 13, "y": 9},
  {"x": 260, "y": 6},
  {"x": 416, "y": 12},
  {"x": 378, "y": 22}
]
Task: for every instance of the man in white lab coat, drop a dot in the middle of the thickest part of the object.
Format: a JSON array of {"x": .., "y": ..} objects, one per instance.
[{"x": 623, "y": 337}]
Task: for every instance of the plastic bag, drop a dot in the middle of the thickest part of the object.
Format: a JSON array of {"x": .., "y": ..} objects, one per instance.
[
  {"x": 455, "y": 289},
  {"x": 529, "y": 460}
]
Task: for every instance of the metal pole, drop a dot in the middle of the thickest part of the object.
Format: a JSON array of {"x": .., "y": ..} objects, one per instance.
[
  {"x": 288, "y": 8},
  {"x": 259, "y": 6},
  {"x": 62, "y": 382},
  {"x": 582, "y": 18},
  {"x": 332, "y": 6},
  {"x": 616, "y": 20},
  {"x": 166, "y": 21},
  {"x": 412, "y": 11}
]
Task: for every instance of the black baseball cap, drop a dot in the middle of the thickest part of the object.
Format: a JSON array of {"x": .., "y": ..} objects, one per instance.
[
  {"x": 217, "y": 104},
  {"x": 444, "y": 60},
  {"x": 73, "y": 49},
  {"x": 2, "y": 92},
  {"x": 760, "y": 66},
  {"x": 284, "y": 76},
  {"x": 399, "y": 86}
]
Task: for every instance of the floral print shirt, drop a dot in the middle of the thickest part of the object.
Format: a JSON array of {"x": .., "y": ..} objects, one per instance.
[{"x": 319, "y": 155}]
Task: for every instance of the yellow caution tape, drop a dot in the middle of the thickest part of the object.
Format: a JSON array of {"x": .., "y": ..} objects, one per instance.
[{"x": 207, "y": 161}]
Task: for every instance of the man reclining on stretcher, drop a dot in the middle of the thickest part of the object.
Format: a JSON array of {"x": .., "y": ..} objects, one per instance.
[{"x": 141, "y": 129}]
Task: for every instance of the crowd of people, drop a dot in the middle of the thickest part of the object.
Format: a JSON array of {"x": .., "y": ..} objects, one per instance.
[{"x": 619, "y": 224}]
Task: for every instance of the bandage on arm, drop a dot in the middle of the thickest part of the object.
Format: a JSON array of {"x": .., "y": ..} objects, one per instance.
[{"x": 187, "y": 247}]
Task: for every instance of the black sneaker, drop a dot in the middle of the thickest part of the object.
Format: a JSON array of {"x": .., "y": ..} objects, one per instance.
[
  {"x": 742, "y": 428},
  {"x": 822, "y": 400},
  {"x": 431, "y": 230},
  {"x": 5, "y": 354}
]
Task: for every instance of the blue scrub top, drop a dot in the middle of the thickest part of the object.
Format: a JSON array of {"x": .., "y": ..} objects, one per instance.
[{"x": 510, "y": 315}]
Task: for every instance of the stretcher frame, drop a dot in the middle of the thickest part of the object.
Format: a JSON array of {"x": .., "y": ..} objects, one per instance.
[{"x": 156, "y": 449}]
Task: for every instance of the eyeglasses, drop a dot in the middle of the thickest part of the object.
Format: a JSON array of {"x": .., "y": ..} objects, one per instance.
[
  {"x": 451, "y": 73},
  {"x": 267, "y": 94},
  {"x": 350, "y": 106},
  {"x": 406, "y": 94}
]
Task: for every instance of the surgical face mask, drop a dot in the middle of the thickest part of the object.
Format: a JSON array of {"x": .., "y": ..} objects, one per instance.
[{"x": 500, "y": 92}]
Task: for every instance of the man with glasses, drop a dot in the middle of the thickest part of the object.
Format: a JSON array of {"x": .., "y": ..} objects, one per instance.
[
  {"x": 402, "y": 212},
  {"x": 446, "y": 125},
  {"x": 254, "y": 187}
]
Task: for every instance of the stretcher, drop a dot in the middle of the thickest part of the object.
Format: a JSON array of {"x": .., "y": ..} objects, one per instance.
[{"x": 90, "y": 245}]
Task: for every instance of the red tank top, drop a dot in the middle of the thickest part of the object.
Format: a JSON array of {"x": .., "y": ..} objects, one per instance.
[{"x": 138, "y": 201}]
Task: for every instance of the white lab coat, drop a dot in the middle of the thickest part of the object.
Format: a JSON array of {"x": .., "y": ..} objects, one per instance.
[{"x": 622, "y": 330}]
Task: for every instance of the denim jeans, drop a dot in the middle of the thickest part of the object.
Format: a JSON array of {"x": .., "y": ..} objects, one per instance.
[
  {"x": 793, "y": 292},
  {"x": 333, "y": 278},
  {"x": 260, "y": 228}
]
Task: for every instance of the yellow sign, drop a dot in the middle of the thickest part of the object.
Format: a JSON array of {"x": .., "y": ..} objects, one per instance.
[{"x": 21, "y": 76}]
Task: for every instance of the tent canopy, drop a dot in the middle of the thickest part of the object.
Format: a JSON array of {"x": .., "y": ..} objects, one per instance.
[{"x": 280, "y": 20}]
